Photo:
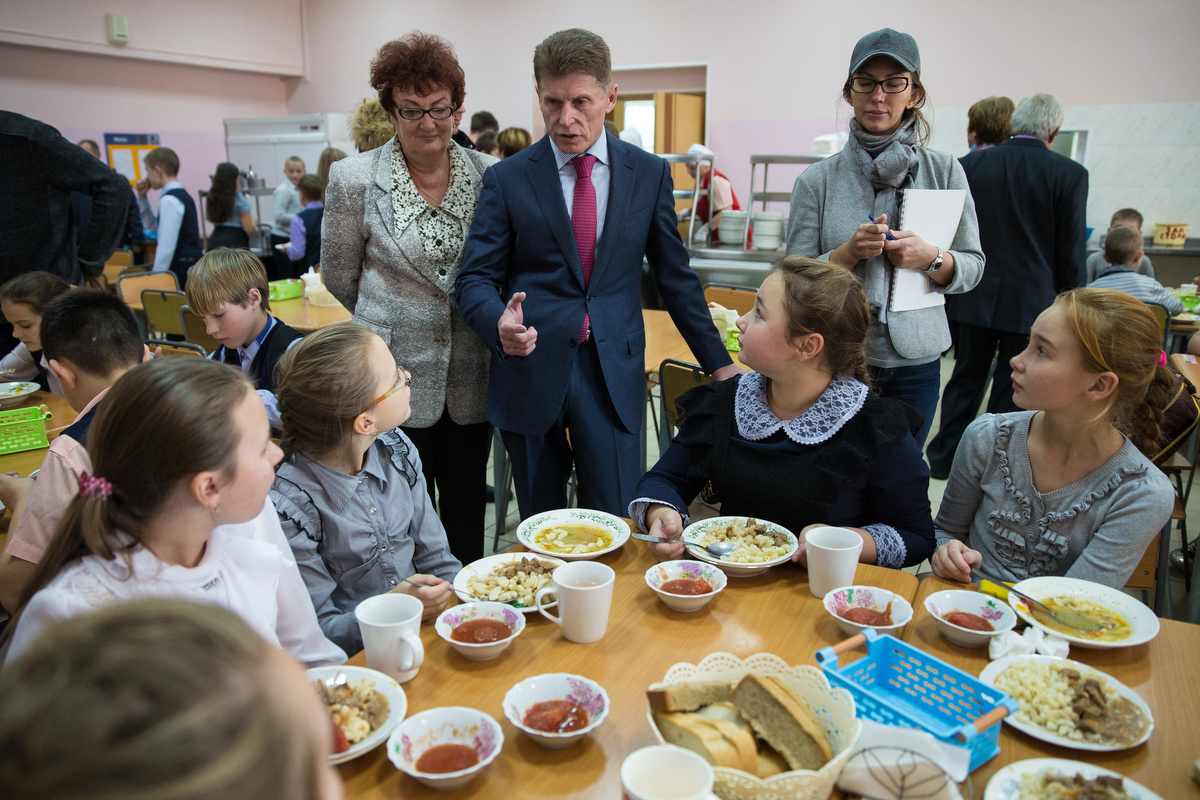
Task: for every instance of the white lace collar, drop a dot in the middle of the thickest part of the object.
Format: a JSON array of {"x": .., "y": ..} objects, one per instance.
[{"x": 834, "y": 408}]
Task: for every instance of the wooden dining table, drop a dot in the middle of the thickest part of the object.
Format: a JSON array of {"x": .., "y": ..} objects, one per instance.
[
  {"x": 663, "y": 341},
  {"x": 303, "y": 316},
  {"x": 1164, "y": 672},
  {"x": 773, "y": 613}
]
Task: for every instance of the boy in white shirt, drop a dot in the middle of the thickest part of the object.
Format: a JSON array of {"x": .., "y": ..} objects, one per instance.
[{"x": 177, "y": 223}]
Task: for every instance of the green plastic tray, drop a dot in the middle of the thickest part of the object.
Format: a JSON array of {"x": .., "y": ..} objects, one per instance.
[
  {"x": 288, "y": 289},
  {"x": 23, "y": 429}
]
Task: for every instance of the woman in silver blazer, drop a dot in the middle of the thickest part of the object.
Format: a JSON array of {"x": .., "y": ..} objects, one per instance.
[{"x": 396, "y": 219}]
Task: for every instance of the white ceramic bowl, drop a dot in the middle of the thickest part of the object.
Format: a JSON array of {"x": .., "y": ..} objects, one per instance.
[
  {"x": 1142, "y": 621},
  {"x": 446, "y": 725},
  {"x": 484, "y": 566},
  {"x": 452, "y": 617},
  {"x": 1002, "y": 617},
  {"x": 659, "y": 574},
  {"x": 397, "y": 704},
  {"x": 13, "y": 394},
  {"x": 583, "y": 692},
  {"x": 867, "y": 597},
  {"x": 530, "y": 528},
  {"x": 694, "y": 532}
]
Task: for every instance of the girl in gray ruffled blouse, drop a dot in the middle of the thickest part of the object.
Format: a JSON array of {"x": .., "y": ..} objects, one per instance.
[
  {"x": 350, "y": 493},
  {"x": 1063, "y": 488}
]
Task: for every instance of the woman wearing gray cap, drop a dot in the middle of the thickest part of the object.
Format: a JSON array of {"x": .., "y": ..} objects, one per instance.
[{"x": 833, "y": 203}]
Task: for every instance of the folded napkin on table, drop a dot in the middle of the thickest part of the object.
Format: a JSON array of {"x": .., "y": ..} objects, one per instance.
[{"x": 1033, "y": 640}]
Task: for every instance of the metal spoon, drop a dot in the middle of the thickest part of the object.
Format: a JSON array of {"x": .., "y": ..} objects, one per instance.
[
  {"x": 1068, "y": 619},
  {"x": 716, "y": 549}
]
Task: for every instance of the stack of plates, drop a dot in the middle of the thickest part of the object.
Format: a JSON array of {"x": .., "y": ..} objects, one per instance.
[
  {"x": 733, "y": 225},
  {"x": 768, "y": 230}
]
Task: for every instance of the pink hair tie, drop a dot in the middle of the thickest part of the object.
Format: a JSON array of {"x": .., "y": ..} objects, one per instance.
[
  {"x": 1162, "y": 358},
  {"x": 94, "y": 487}
]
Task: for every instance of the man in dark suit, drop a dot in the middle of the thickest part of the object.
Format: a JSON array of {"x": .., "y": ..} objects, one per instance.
[
  {"x": 560, "y": 232},
  {"x": 1031, "y": 204}
]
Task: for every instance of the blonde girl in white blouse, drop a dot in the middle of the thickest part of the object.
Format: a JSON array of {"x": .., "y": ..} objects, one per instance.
[{"x": 177, "y": 508}]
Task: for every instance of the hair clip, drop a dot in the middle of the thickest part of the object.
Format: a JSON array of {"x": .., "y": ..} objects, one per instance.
[
  {"x": 1162, "y": 358},
  {"x": 94, "y": 487}
]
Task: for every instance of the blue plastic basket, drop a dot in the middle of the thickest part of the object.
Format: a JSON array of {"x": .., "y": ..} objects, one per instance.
[{"x": 897, "y": 684}]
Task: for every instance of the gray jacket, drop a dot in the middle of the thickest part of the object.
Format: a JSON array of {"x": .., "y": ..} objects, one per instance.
[
  {"x": 833, "y": 197},
  {"x": 394, "y": 291}
]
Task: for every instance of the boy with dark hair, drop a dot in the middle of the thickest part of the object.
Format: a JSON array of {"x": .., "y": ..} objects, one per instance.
[
  {"x": 1123, "y": 250},
  {"x": 90, "y": 339},
  {"x": 177, "y": 223},
  {"x": 482, "y": 122},
  {"x": 228, "y": 288},
  {"x": 304, "y": 249},
  {"x": 1124, "y": 218}
]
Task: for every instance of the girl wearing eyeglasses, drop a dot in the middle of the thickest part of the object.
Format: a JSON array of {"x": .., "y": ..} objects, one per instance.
[
  {"x": 833, "y": 202},
  {"x": 350, "y": 493},
  {"x": 396, "y": 219}
]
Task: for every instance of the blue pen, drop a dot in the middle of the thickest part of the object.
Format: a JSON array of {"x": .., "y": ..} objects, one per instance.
[{"x": 888, "y": 235}]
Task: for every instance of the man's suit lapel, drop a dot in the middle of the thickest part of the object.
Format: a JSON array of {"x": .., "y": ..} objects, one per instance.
[
  {"x": 620, "y": 190},
  {"x": 547, "y": 189},
  {"x": 410, "y": 246}
]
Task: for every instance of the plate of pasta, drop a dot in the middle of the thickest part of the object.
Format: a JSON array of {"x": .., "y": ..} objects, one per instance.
[
  {"x": 760, "y": 544},
  {"x": 511, "y": 578}
]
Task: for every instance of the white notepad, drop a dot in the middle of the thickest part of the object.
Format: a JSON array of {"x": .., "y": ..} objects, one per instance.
[{"x": 933, "y": 214}]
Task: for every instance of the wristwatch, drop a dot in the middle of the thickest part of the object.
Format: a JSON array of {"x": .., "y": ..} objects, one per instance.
[{"x": 937, "y": 263}]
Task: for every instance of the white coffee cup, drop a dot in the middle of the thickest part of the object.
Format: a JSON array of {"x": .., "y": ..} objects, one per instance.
[
  {"x": 584, "y": 590},
  {"x": 666, "y": 772},
  {"x": 832, "y": 558},
  {"x": 391, "y": 632}
]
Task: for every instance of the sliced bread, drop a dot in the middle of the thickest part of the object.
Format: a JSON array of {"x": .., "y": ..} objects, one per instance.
[
  {"x": 769, "y": 761},
  {"x": 785, "y": 721},
  {"x": 694, "y": 733},
  {"x": 688, "y": 696},
  {"x": 725, "y": 718}
]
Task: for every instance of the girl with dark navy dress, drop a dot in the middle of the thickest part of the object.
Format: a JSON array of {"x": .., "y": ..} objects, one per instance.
[{"x": 801, "y": 440}]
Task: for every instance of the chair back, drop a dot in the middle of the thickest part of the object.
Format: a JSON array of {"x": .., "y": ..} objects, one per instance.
[
  {"x": 162, "y": 312},
  {"x": 131, "y": 286},
  {"x": 119, "y": 260},
  {"x": 738, "y": 298},
  {"x": 1163, "y": 317},
  {"x": 194, "y": 330},
  {"x": 175, "y": 348},
  {"x": 1143, "y": 574},
  {"x": 675, "y": 378}
]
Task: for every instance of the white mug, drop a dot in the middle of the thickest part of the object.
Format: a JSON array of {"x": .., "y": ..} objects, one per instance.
[
  {"x": 666, "y": 772},
  {"x": 584, "y": 590},
  {"x": 832, "y": 558},
  {"x": 391, "y": 632}
]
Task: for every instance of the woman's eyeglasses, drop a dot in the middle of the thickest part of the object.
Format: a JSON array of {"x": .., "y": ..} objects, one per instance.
[
  {"x": 403, "y": 378},
  {"x": 861, "y": 85},
  {"x": 414, "y": 114}
]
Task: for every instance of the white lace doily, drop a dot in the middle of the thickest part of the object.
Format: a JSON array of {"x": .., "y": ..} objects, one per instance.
[
  {"x": 836, "y": 406},
  {"x": 834, "y": 707}
]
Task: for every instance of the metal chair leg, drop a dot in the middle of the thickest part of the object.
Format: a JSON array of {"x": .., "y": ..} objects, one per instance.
[
  {"x": 1162, "y": 581},
  {"x": 501, "y": 477}
]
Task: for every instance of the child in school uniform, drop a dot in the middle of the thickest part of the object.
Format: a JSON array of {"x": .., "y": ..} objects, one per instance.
[
  {"x": 1123, "y": 251},
  {"x": 304, "y": 250},
  {"x": 176, "y": 506},
  {"x": 287, "y": 200},
  {"x": 90, "y": 339},
  {"x": 177, "y": 223},
  {"x": 228, "y": 288},
  {"x": 23, "y": 300},
  {"x": 350, "y": 492}
]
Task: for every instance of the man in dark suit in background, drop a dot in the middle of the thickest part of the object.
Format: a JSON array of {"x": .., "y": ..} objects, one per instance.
[
  {"x": 560, "y": 232},
  {"x": 1031, "y": 204}
]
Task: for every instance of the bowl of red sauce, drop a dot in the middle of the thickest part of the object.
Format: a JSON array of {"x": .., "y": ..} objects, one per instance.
[
  {"x": 968, "y": 618},
  {"x": 685, "y": 585},
  {"x": 556, "y": 709},
  {"x": 444, "y": 748},
  {"x": 857, "y": 608},
  {"x": 480, "y": 631}
]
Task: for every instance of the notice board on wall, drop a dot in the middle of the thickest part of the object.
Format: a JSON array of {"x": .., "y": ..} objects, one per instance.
[{"x": 127, "y": 152}]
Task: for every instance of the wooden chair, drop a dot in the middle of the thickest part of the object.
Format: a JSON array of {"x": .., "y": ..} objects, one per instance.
[
  {"x": 1152, "y": 570},
  {"x": 175, "y": 348},
  {"x": 162, "y": 312},
  {"x": 675, "y": 378},
  {"x": 195, "y": 331},
  {"x": 738, "y": 298},
  {"x": 119, "y": 261},
  {"x": 131, "y": 285}
]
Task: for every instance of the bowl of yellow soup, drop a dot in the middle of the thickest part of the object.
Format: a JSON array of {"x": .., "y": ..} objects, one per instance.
[
  {"x": 573, "y": 534},
  {"x": 1125, "y": 621}
]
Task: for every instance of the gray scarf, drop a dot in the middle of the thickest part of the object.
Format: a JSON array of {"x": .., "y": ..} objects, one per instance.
[{"x": 886, "y": 162}]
